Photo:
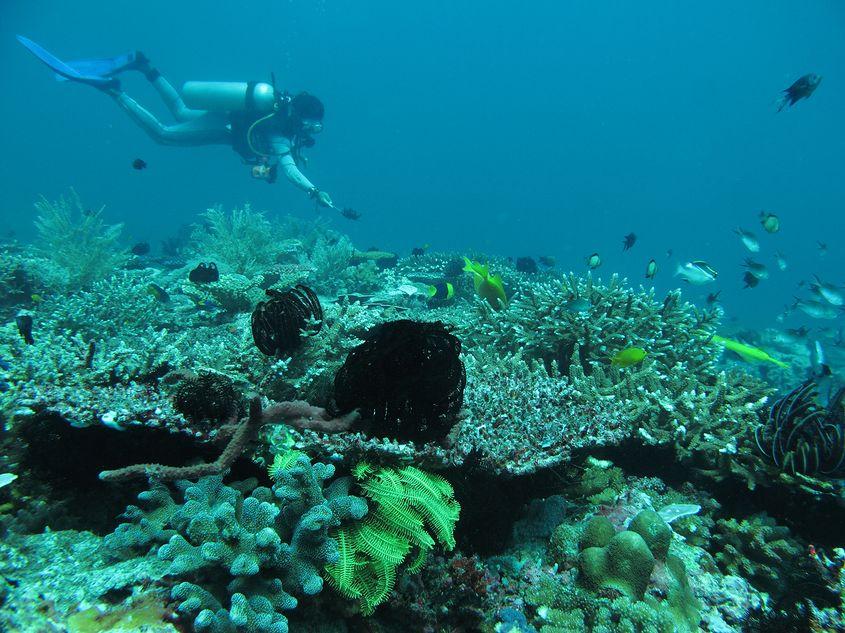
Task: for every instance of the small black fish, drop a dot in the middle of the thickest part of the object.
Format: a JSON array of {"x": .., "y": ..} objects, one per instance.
[
  {"x": 349, "y": 213},
  {"x": 417, "y": 252},
  {"x": 139, "y": 164},
  {"x": 750, "y": 280},
  {"x": 24, "y": 323},
  {"x": 803, "y": 88},
  {"x": 713, "y": 297},
  {"x": 628, "y": 241},
  {"x": 207, "y": 273},
  {"x": 547, "y": 260},
  {"x": 141, "y": 248},
  {"x": 822, "y": 248}
]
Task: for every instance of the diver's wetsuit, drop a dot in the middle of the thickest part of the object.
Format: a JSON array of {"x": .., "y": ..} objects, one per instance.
[{"x": 202, "y": 127}]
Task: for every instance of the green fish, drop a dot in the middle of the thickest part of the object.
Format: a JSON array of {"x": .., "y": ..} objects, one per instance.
[
  {"x": 159, "y": 293},
  {"x": 487, "y": 286},
  {"x": 628, "y": 357},
  {"x": 746, "y": 352}
]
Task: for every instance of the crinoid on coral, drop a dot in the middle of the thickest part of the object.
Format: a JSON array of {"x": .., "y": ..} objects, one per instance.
[
  {"x": 407, "y": 377},
  {"x": 801, "y": 436},
  {"x": 204, "y": 273},
  {"x": 278, "y": 323},
  {"x": 207, "y": 397},
  {"x": 405, "y": 501}
]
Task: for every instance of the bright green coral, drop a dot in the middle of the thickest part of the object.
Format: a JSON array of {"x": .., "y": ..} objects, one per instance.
[{"x": 406, "y": 504}]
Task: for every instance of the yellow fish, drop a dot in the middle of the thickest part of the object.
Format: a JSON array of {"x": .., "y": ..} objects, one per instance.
[
  {"x": 746, "y": 352},
  {"x": 487, "y": 286},
  {"x": 628, "y": 356},
  {"x": 36, "y": 298}
]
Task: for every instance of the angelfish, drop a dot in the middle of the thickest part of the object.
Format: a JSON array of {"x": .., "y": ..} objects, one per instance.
[{"x": 696, "y": 273}]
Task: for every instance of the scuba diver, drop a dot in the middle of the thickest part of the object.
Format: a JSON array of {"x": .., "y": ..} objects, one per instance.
[{"x": 268, "y": 128}]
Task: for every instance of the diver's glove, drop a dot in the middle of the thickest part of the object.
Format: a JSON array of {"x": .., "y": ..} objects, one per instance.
[{"x": 321, "y": 197}]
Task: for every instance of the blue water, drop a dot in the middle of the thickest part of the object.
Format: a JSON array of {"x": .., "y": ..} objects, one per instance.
[{"x": 553, "y": 128}]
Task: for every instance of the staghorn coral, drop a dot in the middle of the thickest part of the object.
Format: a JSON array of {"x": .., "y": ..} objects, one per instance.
[
  {"x": 520, "y": 419},
  {"x": 77, "y": 240}
]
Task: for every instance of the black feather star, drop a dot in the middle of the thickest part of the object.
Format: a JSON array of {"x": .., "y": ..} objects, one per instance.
[
  {"x": 278, "y": 323},
  {"x": 803, "y": 437}
]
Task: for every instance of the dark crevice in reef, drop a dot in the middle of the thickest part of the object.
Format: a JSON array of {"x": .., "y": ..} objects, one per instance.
[
  {"x": 814, "y": 521},
  {"x": 491, "y": 504},
  {"x": 63, "y": 464}
]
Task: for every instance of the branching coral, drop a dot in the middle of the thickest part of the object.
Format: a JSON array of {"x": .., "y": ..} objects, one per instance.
[{"x": 244, "y": 552}]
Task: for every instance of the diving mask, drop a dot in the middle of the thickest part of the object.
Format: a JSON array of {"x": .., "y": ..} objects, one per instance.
[{"x": 312, "y": 126}]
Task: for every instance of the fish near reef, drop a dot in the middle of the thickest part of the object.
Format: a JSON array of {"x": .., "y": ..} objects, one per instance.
[
  {"x": 746, "y": 352},
  {"x": 628, "y": 357},
  {"x": 628, "y": 241},
  {"x": 770, "y": 222},
  {"x": 830, "y": 293},
  {"x": 488, "y": 287},
  {"x": 696, "y": 273},
  {"x": 750, "y": 280},
  {"x": 802, "y": 88},
  {"x": 24, "y": 323},
  {"x": 651, "y": 269},
  {"x": 141, "y": 248},
  {"x": 748, "y": 240},
  {"x": 158, "y": 293},
  {"x": 594, "y": 261}
]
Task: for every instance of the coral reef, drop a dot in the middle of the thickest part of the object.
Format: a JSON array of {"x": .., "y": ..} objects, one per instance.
[
  {"x": 251, "y": 548},
  {"x": 77, "y": 240}
]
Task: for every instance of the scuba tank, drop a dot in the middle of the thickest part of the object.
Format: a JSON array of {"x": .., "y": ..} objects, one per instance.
[{"x": 230, "y": 96}]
